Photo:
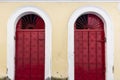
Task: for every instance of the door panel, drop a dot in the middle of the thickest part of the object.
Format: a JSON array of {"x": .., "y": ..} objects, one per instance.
[
  {"x": 30, "y": 55},
  {"x": 92, "y": 52},
  {"x": 26, "y": 55},
  {"x": 34, "y": 55},
  {"x": 19, "y": 56},
  {"x": 41, "y": 59},
  {"x": 89, "y": 55}
]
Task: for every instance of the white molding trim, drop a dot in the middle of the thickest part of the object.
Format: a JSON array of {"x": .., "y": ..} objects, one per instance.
[
  {"x": 11, "y": 28},
  {"x": 109, "y": 46}
]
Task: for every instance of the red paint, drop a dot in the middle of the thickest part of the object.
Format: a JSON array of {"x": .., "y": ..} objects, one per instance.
[
  {"x": 30, "y": 51},
  {"x": 89, "y": 39}
]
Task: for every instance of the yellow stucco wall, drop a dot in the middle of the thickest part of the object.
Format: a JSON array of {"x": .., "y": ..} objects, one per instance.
[{"x": 59, "y": 14}]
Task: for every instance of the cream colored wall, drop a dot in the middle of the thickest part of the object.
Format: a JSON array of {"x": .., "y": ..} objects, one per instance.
[{"x": 59, "y": 14}]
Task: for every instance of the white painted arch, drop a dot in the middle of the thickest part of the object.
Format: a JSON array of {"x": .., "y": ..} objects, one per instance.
[
  {"x": 109, "y": 45},
  {"x": 11, "y": 28}
]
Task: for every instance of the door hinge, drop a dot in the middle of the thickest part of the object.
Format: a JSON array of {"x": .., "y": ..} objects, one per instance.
[
  {"x": 113, "y": 69},
  {"x": 14, "y": 38},
  {"x": 105, "y": 39}
]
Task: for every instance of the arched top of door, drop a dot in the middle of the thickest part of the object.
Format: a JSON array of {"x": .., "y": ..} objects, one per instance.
[
  {"x": 30, "y": 21},
  {"x": 89, "y": 21}
]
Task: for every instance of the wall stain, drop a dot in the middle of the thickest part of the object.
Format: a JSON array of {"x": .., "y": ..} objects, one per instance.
[
  {"x": 5, "y": 78},
  {"x": 55, "y": 78}
]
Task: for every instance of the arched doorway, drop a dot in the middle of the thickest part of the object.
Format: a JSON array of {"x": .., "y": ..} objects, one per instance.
[
  {"x": 31, "y": 26},
  {"x": 89, "y": 48},
  {"x": 86, "y": 13},
  {"x": 30, "y": 48}
]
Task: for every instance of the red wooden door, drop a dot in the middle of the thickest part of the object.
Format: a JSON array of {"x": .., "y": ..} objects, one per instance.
[
  {"x": 30, "y": 48},
  {"x": 89, "y": 46}
]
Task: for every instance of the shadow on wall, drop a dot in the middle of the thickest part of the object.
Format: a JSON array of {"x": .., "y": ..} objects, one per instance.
[{"x": 53, "y": 78}]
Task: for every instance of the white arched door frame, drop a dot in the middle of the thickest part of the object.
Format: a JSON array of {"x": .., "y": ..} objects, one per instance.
[
  {"x": 11, "y": 29},
  {"x": 108, "y": 28}
]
